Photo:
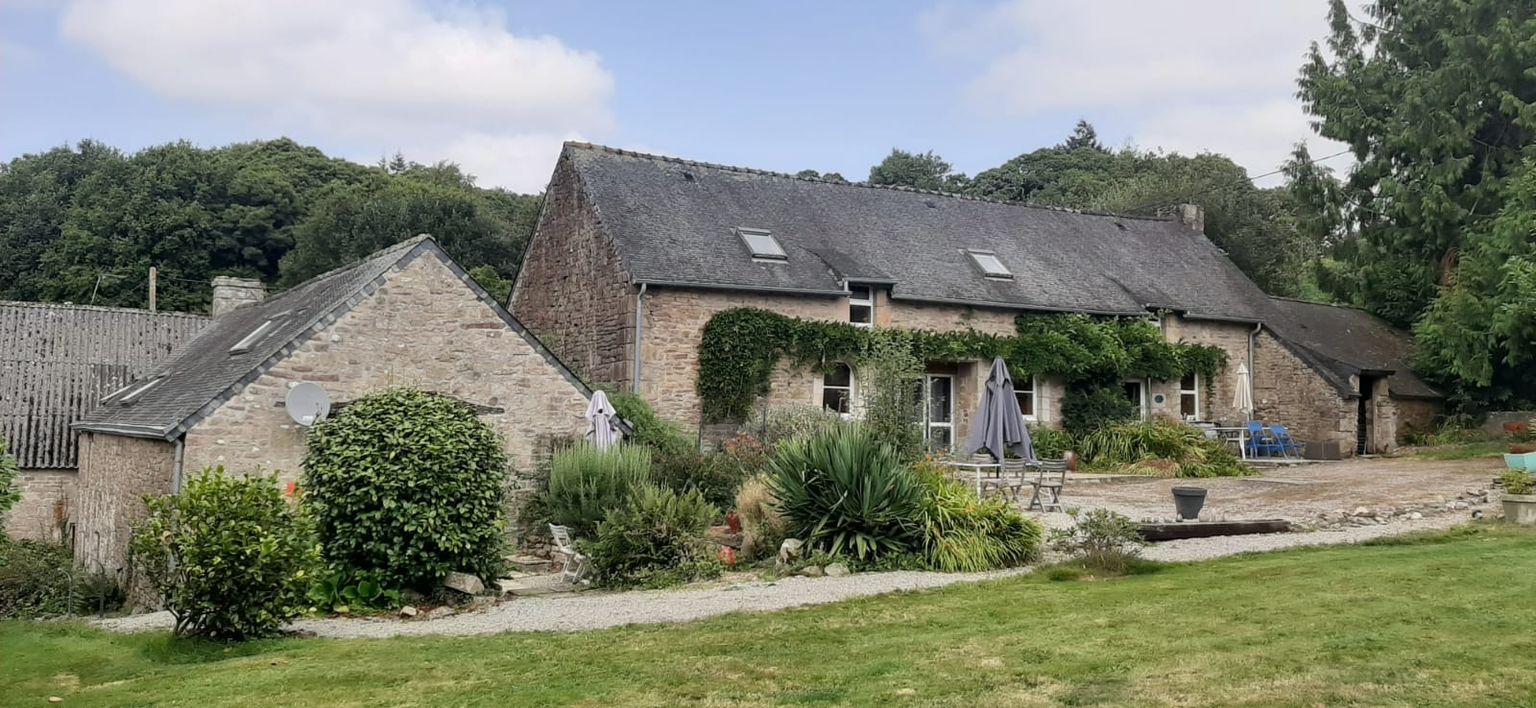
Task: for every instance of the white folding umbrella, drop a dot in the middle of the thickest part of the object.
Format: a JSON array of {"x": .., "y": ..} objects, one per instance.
[
  {"x": 1243, "y": 398},
  {"x": 602, "y": 420}
]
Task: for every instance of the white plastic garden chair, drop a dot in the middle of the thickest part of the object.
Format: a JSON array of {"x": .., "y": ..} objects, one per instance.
[{"x": 575, "y": 565}]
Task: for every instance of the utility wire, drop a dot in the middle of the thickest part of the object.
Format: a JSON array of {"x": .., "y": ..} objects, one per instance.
[{"x": 1246, "y": 180}]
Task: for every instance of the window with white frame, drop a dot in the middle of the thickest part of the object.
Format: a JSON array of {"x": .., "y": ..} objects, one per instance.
[
  {"x": 837, "y": 389},
  {"x": 991, "y": 266},
  {"x": 1189, "y": 397},
  {"x": 861, "y": 306},
  {"x": 1027, "y": 391},
  {"x": 762, "y": 244}
]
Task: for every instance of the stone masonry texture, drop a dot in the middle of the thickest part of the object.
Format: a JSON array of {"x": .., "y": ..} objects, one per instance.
[
  {"x": 116, "y": 473},
  {"x": 572, "y": 291},
  {"x": 43, "y": 512}
]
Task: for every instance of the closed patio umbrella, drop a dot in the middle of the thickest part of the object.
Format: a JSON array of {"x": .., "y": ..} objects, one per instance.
[
  {"x": 602, "y": 421},
  {"x": 1243, "y": 400},
  {"x": 999, "y": 425}
]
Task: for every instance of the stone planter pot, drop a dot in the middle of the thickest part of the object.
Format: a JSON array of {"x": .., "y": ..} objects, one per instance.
[
  {"x": 1188, "y": 501},
  {"x": 1520, "y": 509}
]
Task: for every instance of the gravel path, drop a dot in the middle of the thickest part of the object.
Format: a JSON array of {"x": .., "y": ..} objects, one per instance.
[{"x": 594, "y": 610}]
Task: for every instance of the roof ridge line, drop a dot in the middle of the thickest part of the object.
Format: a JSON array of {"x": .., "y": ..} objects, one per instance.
[
  {"x": 1340, "y": 305},
  {"x": 849, "y": 183},
  {"x": 97, "y": 308}
]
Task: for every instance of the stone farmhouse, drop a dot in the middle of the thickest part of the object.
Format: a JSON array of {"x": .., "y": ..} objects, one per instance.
[
  {"x": 634, "y": 254},
  {"x": 406, "y": 316},
  {"x": 56, "y": 362}
]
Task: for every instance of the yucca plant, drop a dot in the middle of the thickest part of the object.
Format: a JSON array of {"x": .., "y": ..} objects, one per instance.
[
  {"x": 585, "y": 482},
  {"x": 844, "y": 492}
]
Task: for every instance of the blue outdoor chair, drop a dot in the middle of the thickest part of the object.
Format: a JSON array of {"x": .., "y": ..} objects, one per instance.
[
  {"x": 1283, "y": 442},
  {"x": 1260, "y": 443}
]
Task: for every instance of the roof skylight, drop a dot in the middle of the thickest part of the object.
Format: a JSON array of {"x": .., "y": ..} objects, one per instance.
[
  {"x": 762, "y": 244},
  {"x": 139, "y": 390},
  {"x": 255, "y": 337},
  {"x": 989, "y": 264}
]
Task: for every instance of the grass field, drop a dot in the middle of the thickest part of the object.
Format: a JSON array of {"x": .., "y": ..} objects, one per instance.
[{"x": 1441, "y": 620}]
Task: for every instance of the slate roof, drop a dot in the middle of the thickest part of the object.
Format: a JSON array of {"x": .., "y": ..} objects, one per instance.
[
  {"x": 674, "y": 222},
  {"x": 205, "y": 373},
  {"x": 1346, "y": 341},
  {"x": 58, "y": 360}
]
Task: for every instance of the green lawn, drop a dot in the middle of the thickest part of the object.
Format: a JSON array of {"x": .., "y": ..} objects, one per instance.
[
  {"x": 1445, "y": 620},
  {"x": 1464, "y": 451}
]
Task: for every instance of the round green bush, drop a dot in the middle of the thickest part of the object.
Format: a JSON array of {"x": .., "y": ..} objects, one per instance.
[{"x": 409, "y": 485}]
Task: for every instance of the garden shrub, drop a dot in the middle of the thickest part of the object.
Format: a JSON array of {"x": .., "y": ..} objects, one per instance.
[
  {"x": 229, "y": 556},
  {"x": 844, "y": 492},
  {"x": 1100, "y": 540},
  {"x": 1518, "y": 482},
  {"x": 344, "y": 590},
  {"x": 1051, "y": 443},
  {"x": 659, "y": 538},
  {"x": 717, "y": 476},
  {"x": 34, "y": 578},
  {"x": 662, "y": 436},
  {"x": 889, "y": 376},
  {"x": 1162, "y": 447},
  {"x": 763, "y": 526},
  {"x": 1090, "y": 405},
  {"x": 408, "y": 484},
  {"x": 585, "y": 482},
  {"x": 10, "y": 484},
  {"x": 961, "y": 534},
  {"x": 794, "y": 422}
]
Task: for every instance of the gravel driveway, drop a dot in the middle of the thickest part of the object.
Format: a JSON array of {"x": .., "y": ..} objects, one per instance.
[{"x": 597, "y": 610}]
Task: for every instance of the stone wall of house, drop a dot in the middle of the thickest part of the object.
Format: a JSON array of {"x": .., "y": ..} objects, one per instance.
[
  {"x": 422, "y": 328},
  {"x": 1215, "y": 398},
  {"x": 573, "y": 291},
  {"x": 44, "y": 508},
  {"x": 1288, "y": 391},
  {"x": 942, "y": 318},
  {"x": 116, "y": 473}
]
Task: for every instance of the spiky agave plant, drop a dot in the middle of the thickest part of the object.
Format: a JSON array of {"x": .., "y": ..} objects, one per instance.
[{"x": 844, "y": 492}]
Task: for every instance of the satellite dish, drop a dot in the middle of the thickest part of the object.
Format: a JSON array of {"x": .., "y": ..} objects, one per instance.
[{"x": 308, "y": 404}]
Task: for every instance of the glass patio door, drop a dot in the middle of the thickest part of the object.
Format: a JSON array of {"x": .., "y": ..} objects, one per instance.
[{"x": 938, "y": 411}]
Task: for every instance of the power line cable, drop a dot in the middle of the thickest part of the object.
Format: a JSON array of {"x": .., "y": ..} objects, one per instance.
[{"x": 1245, "y": 180}]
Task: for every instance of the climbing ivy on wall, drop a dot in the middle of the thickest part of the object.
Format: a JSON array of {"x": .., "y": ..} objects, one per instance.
[{"x": 741, "y": 347}]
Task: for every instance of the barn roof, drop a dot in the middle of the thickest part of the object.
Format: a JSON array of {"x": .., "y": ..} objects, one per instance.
[{"x": 58, "y": 360}]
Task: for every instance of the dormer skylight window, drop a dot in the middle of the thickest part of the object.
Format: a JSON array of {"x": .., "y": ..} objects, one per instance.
[
  {"x": 255, "y": 337},
  {"x": 139, "y": 390},
  {"x": 762, "y": 244},
  {"x": 990, "y": 266}
]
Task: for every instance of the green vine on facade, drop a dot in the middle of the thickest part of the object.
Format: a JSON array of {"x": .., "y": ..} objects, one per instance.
[{"x": 742, "y": 346}]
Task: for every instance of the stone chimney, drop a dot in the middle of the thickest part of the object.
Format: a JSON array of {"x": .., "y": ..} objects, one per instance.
[
  {"x": 230, "y": 293},
  {"x": 1193, "y": 216}
]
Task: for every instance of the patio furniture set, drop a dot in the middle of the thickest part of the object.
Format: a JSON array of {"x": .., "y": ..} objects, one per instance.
[
  {"x": 1259, "y": 441},
  {"x": 1045, "y": 478}
]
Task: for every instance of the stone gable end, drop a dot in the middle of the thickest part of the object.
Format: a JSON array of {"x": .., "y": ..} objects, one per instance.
[{"x": 423, "y": 327}]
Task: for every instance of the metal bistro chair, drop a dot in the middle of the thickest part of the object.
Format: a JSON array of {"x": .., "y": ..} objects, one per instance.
[
  {"x": 1048, "y": 483},
  {"x": 575, "y": 565},
  {"x": 1011, "y": 478}
]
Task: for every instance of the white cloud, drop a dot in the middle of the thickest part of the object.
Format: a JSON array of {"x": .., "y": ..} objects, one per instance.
[
  {"x": 1188, "y": 75},
  {"x": 376, "y": 74}
]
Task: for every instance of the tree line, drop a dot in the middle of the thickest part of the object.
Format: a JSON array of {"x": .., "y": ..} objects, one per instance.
[{"x": 85, "y": 223}]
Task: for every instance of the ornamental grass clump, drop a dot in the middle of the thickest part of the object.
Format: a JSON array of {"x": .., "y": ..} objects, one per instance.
[
  {"x": 961, "y": 534},
  {"x": 585, "y": 483},
  {"x": 229, "y": 556},
  {"x": 845, "y": 493},
  {"x": 407, "y": 485},
  {"x": 1160, "y": 448}
]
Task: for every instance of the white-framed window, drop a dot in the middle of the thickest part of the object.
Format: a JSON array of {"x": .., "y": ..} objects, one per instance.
[
  {"x": 990, "y": 265},
  {"x": 1189, "y": 397},
  {"x": 837, "y": 389},
  {"x": 861, "y": 306},
  {"x": 938, "y": 402},
  {"x": 1028, "y": 394},
  {"x": 1136, "y": 393}
]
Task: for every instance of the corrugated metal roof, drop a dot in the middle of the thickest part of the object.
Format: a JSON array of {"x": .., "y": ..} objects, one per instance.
[{"x": 58, "y": 361}]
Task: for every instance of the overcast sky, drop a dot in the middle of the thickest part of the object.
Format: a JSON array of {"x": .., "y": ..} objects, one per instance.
[{"x": 783, "y": 85}]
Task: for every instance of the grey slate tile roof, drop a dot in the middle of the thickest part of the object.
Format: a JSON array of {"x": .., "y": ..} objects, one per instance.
[
  {"x": 1347, "y": 340},
  {"x": 57, "y": 361},
  {"x": 205, "y": 374},
  {"x": 674, "y": 222}
]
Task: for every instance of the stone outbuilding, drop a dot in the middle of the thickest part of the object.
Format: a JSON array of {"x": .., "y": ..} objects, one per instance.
[
  {"x": 56, "y": 363},
  {"x": 634, "y": 254},
  {"x": 407, "y": 316}
]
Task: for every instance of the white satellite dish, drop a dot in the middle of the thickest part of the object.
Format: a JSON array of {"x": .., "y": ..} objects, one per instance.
[{"x": 308, "y": 404}]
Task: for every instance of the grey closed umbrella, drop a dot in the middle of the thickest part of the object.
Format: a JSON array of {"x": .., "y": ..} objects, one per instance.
[{"x": 998, "y": 425}]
